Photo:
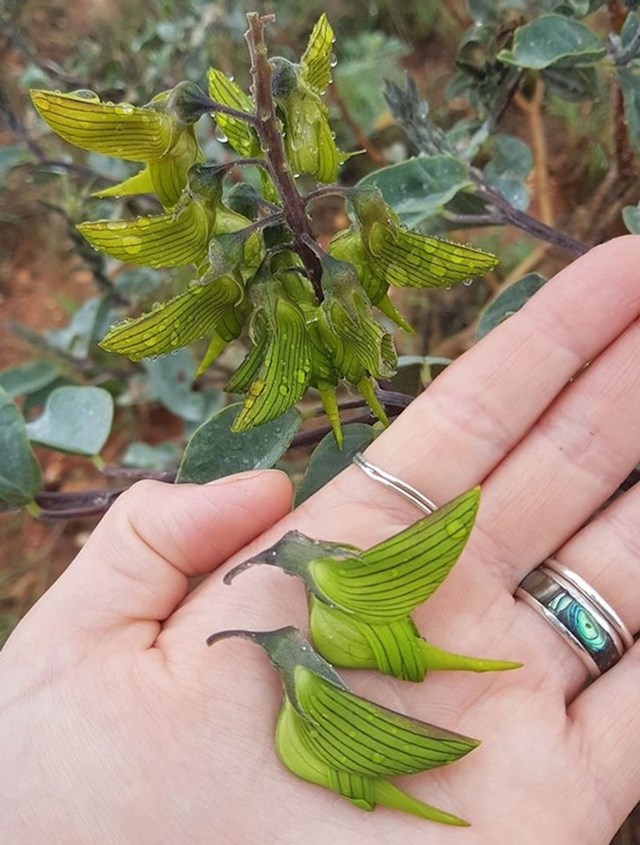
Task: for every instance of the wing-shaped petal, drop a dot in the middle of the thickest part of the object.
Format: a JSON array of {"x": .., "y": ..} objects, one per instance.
[
  {"x": 240, "y": 135},
  {"x": 284, "y": 374},
  {"x": 400, "y": 573},
  {"x": 315, "y": 64},
  {"x": 176, "y": 323},
  {"x": 420, "y": 261},
  {"x": 165, "y": 240},
  {"x": 121, "y": 130},
  {"x": 358, "y": 736}
]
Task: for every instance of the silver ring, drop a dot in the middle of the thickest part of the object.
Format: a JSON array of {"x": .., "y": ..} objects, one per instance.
[
  {"x": 582, "y": 617},
  {"x": 383, "y": 477}
]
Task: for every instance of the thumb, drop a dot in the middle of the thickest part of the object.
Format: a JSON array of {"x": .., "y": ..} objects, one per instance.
[{"x": 136, "y": 565}]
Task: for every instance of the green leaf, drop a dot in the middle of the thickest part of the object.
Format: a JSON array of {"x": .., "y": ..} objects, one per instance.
[
  {"x": 75, "y": 419},
  {"x": 214, "y": 451},
  {"x": 508, "y": 302},
  {"x": 11, "y": 157},
  {"x": 553, "y": 40},
  {"x": 20, "y": 476},
  {"x": 629, "y": 79},
  {"x": 77, "y": 337},
  {"x": 144, "y": 456},
  {"x": 170, "y": 380},
  {"x": 27, "y": 378},
  {"x": 572, "y": 83},
  {"x": 631, "y": 219},
  {"x": 328, "y": 460},
  {"x": 417, "y": 188}
]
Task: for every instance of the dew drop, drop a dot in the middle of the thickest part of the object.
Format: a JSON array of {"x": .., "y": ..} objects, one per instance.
[
  {"x": 132, "y": 244},
  {"x": 114, "y": 225},
  {"x": 467, "y": 282},
  {"x": 377, "y": 757},
  {"x": 86, "y": 94},
  {"x": 125, "y": 108},
  {"x": 43, "y": 105}
]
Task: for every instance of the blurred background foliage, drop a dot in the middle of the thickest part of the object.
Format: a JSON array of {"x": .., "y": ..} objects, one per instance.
[{"x": 558, "y": 142}]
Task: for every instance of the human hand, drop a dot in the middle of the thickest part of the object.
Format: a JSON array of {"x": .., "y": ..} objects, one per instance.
[{"x": 119, "y": 726}]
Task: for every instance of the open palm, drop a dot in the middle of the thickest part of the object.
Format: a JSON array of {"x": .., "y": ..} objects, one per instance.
[{"x": 118, "y": 725}]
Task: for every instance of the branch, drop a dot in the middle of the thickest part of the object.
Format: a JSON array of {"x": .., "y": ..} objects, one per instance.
[{"x": 270, "y": 137}]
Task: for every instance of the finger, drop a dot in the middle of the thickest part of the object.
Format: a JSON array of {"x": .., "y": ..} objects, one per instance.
[
  {"x": 479, "y": 409},
  {"x": 605, "y": 717},
  {"x": 136, "y": 565}
]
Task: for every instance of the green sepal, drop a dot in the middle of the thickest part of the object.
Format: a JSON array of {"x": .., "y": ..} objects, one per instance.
[
  {"x": 393, "y": 648},
  {"x": 295, "y": 553},
  {"x": 241, "y": 136},
  {"x": 315, "y": 64},
  {"x": 176, "y": 323},
  {"x": 410, "y": 259}
]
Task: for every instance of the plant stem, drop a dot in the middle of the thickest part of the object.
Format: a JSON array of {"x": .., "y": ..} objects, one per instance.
[{"x": 269, "y": 134}]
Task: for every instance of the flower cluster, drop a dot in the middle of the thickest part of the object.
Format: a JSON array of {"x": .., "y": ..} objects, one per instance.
[{"x": 307, "y": 329}]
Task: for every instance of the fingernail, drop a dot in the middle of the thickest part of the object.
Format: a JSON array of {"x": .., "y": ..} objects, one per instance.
[{"x": 239, "y": 477}]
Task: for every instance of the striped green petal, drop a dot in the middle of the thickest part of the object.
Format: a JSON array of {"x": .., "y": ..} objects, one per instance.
[
  {"x": 171, "y": 325},
  {"x": 165, "y": 240},
  {"x": 399, "y": 574},
  {"x": 358, "y": 736},
  {"x": 248, "y": 370},
  {"x": 315, "y": 64},
  {"x": 170, "y": 174},
  {"x": 121, "y": 130},
  {"x": 284, "y": 373},
  {"x": 393, "y": 648},
  {"x": 420, "y": 261},
  {"x": 295, "y": 747},
  {"x": 348, "y": 641},
  {"x": 240, "y": 135}
]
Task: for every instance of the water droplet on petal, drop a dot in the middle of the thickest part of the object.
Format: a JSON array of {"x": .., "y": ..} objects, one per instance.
[{"x": 132, "y": 244}]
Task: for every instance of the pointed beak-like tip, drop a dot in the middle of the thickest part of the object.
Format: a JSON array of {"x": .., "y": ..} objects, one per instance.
[
  {"x": 212, "y": 639},
  {"x": 267, "y": 557}
]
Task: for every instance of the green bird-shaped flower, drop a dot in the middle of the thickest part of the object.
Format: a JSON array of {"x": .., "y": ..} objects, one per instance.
[
  {"x": 359, "y": 348},
  {"x": 297, "y": 89},
  {"x": 179, "y": 237},
  {"x": 328, "y": 736},
  {"x": 160, "y": 133},
  {"x": 360, "y": 601},
  {"x": 386, "y": 582},
  {"x": 213, "y": 306},
  {"x": 275, "y": 373},
  {"x": 386, "y": 253}
]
